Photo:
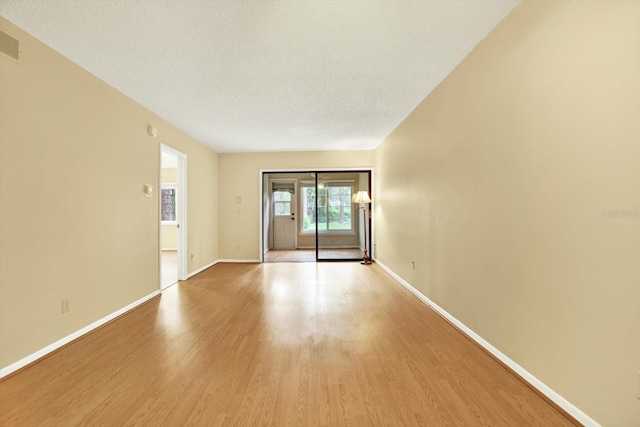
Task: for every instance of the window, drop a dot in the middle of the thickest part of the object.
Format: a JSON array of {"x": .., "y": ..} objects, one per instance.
[
  {"x": 281, "y": 202},
  {"x": 334, "y": 207},
  {"x": 168, "y": 207}
]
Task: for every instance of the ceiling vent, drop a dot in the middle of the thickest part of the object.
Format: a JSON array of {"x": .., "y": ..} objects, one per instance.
[{"x": 9, "y": 46}]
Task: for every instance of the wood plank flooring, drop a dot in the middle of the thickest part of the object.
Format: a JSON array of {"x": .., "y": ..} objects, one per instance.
[{"x": 308, "y": 344}]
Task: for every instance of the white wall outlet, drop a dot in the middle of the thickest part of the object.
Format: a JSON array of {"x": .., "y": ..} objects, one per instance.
[{"x": 65, "y": 306}]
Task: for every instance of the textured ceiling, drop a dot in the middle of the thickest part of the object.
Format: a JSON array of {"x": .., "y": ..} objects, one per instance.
[{"x": 267, "y": 75}]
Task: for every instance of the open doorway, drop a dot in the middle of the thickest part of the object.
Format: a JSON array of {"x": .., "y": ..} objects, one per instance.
[
  {"x": 173, "y": 208},
  {"x": 318, "y": 208}
]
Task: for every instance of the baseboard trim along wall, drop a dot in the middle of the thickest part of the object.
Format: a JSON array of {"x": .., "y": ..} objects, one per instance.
[
  {"x": 517, "y": 369},
  {"x": 33, "y": 357}
]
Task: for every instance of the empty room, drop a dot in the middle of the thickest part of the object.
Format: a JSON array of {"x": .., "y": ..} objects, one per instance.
[{"x": 320, "y": 213}]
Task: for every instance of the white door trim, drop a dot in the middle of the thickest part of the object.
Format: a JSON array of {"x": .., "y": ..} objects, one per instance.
[{"x": 181, "y": 214}]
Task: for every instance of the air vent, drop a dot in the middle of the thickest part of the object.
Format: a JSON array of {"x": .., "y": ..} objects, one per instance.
[{"x": 9, "y": 45}]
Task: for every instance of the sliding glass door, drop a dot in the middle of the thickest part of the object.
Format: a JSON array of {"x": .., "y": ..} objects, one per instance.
[
  {"x": 339, "y": 221},
  {"x": 311, "y": 215}
]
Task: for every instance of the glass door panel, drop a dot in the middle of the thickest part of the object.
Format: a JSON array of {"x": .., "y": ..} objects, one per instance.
[{"x": 339, "y": 223}]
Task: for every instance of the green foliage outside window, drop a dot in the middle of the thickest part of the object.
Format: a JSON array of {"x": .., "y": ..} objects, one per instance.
[{"x": 338, "y": 201}]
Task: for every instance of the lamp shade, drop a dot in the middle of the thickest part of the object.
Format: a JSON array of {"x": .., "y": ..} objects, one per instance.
[{"x": 361, "y": 197}]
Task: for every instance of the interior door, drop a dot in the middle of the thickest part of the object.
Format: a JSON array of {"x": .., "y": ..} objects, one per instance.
[
  {"x": 173, "y": 184},
  {"x": 284, "y": 214}
]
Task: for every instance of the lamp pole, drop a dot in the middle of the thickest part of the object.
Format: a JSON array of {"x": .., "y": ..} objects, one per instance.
[
  {"x": 362, "y": 198},
  {"x": 365, "y": 258}
]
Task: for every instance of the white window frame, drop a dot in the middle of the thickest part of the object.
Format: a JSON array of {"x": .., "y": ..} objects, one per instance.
[
  {"x": 170, "y": 186},
  {"x": 336, "y": 183}
]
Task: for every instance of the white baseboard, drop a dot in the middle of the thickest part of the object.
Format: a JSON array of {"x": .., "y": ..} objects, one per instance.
[
  {"x": 201, "y": 269},
  {"x": 66, "y": 340},
  {"x": 519, "y": 370}
]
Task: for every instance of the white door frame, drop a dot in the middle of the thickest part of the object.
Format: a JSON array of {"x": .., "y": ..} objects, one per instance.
[
  {"x": 293, "y": 181},
  {"x": 261, "y": 173},
  {"x": 181, "y": 196}
]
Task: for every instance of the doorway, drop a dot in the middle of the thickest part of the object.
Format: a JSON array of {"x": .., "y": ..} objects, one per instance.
[
  {"x": 173, "y": 215},
  {"x": 283, "y": 213},
  {"x": 318, "y": 208}
]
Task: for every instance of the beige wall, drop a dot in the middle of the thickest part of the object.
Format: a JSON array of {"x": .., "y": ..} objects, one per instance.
[
  {"x": 240, "y": 177},
  {"x": 70, "y": 227},
  {"x": 496, "y": 185},
  {"x": 169, "y": 175}
]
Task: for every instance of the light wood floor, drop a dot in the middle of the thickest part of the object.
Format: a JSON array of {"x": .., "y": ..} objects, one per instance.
[
  {"x": 309, "y": 255},
  {"x": 169, "y": 268},
  {"x": 310, "y": 344}
]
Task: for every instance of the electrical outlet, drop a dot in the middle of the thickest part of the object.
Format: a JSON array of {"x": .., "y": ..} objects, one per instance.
[
  {"x": 191, "y": 257},
  {"x": 413, "y": 265},
  {"x": 65, "y": 306}
]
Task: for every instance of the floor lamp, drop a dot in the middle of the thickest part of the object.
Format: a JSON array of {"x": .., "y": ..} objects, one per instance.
[{"x": 362, "y": 197}]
